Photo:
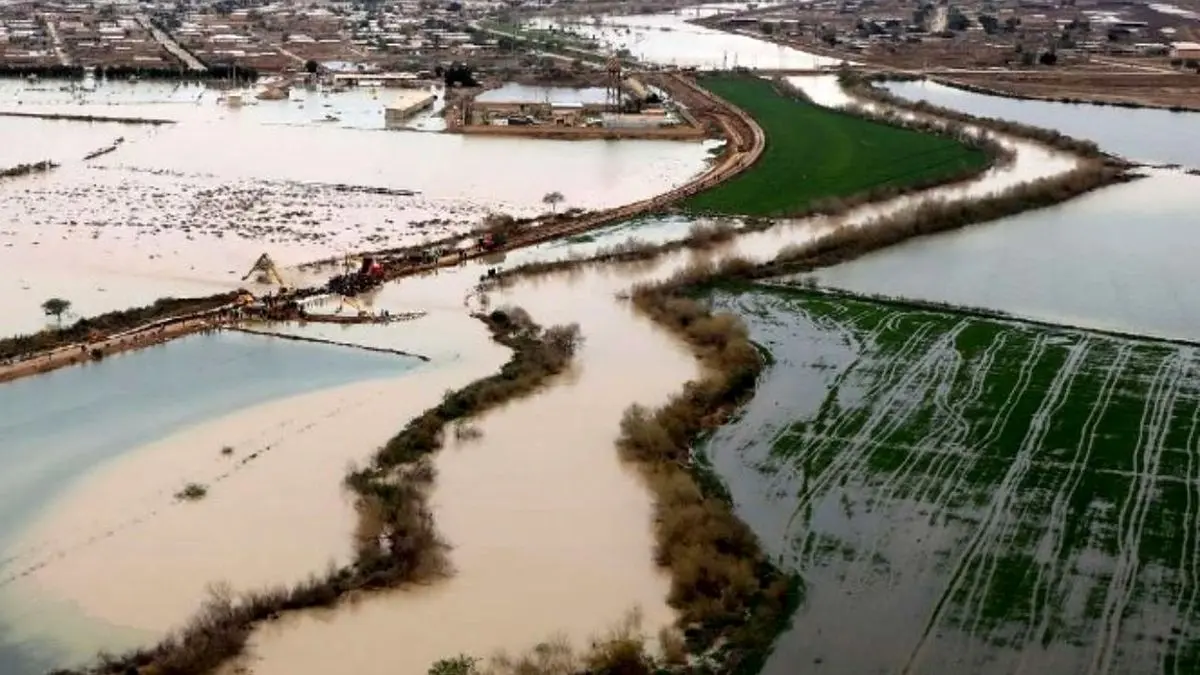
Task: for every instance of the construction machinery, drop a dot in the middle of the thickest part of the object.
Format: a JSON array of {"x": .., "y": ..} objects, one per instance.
[
  {"x": 267, "y": 269},
  {"x": 370, "y": 275},
  {"x": 355, "y": 305}
]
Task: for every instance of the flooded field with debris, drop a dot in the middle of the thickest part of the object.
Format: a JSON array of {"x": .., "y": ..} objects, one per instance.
[
  {"x": 185, "y": 208},
  {"x": 967, "y": 494}
]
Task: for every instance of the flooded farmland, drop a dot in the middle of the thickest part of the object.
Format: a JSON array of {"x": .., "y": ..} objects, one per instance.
[
  {"x": 63, "y": 427},
  {"x": 165, "y": 214},
  {"x": 970, "y": 495}
]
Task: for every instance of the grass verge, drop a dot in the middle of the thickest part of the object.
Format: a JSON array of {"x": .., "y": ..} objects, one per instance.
[
  {"x": 815, "y": 153},
  {"x": 397, "y": 542}
]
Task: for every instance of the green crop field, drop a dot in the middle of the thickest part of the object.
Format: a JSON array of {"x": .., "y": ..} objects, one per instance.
[
  {"x": 816, "y": 153},
  {"x": 971, "y": 495}
]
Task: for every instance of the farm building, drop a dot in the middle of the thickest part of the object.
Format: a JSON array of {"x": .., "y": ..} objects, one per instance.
[{"x": 1185, "y": 50}]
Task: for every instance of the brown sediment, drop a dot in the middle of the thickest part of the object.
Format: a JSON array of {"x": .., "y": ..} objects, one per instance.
[{"x": 396, "y": 541}]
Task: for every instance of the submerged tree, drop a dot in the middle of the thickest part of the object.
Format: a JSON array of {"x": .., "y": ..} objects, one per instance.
[
  {"x": 56, "y": 307},
  {"x": 553, "y": 199}
]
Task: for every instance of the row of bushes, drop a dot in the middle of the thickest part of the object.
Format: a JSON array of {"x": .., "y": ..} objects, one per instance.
[
  {"x": 863, "y": 86},
  {"x": 849, "y": 242},
  {"x": 88, "y": 328},
  {"x": 26, "y": 169},
  {"x": 105, "y": 150},
  {"x": 396, "y": 537},
  {"x": 1004, "y": 93}
]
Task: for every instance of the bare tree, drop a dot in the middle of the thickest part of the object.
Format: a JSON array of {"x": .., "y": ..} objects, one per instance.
[
  {"x": 56, "y": 307},
  {"x": 553, "y": 199}
]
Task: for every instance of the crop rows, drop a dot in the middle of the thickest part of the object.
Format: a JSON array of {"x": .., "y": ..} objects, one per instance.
[{"x": 1026, "y": 497}]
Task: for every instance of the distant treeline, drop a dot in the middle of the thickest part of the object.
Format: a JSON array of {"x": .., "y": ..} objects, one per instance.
[{"x": 214, "y": 72}]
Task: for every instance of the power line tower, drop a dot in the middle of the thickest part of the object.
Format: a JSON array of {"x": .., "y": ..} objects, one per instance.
[{"x": 612, "y": 87}]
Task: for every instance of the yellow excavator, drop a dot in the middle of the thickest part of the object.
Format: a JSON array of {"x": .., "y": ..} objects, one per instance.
[
  {"x": 267, "y": 269},
  {"x": 354, "y": 304}
]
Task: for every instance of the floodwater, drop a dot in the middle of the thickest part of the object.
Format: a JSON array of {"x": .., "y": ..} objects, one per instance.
[
  {"x": 166, "y": 214},
  {"x": 623, "y": 360},
  {"x": 667, "y": 39},
  {"x": 969, "y": 495},
  {"x": 1114, "y": 259},
  {"x": 70, "y": 424},
  {"x": 1144, "y": 135}
]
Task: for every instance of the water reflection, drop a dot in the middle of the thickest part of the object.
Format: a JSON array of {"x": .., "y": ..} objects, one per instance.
[{"x": 1145, "y": 135}]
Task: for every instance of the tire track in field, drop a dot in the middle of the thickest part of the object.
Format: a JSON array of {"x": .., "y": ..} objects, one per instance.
[
  {"x": 891, "y": 368},
  {"x": 887, "y": 417},
  {"x": 1060, "y": 508},
  {"x": 1159, "y": 408},
  {"x": 1000, "y": 418},
  {"x": 953, "y": 429},
  {"x": 1003, "y": 491},
  {"x": 979, "y": 376},
  {"x": 1053, "y": 400},
  {"x": 819, "y": 442},
  {"x": 1191, "y": 524}
]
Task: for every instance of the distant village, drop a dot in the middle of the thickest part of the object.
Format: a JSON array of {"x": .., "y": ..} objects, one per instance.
[{"x": 192, "y": 39}]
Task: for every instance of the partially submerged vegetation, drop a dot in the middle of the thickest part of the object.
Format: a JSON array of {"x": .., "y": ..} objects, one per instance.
[
  {"x": 815, "y": 153},
  {"x": 1043, "y": 462},
  {"x": 851, "y": 241},
  {"x": 26, "y": 169},
  {"x": 397, "y": 542},
  {"x": 192, "y": 492},
  {"x": 623, "y": 650}
]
